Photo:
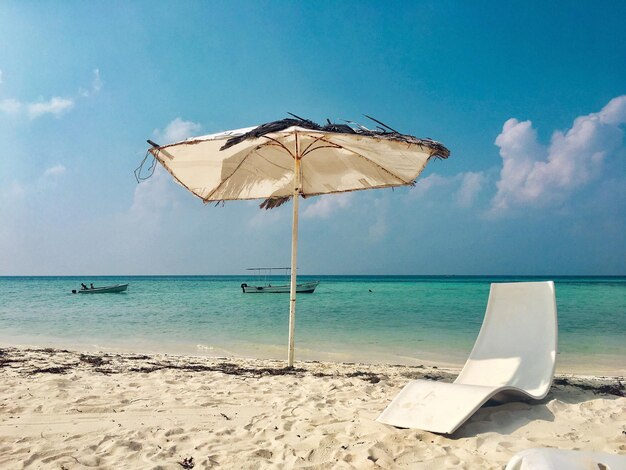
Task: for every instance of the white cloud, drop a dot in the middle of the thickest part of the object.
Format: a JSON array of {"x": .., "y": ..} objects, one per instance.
[
  {"x": 56, "y": 170},
  {"x": 536, "y": 175},
  {"x": 463, "y": 187},
  {"x": 379, "y": 229},
  {"x": 265, "y": 218},
  {"x": 10, "y": 106},
  {"x": 425, "y": 185},
  {"x": 176, "y": 131},
  {"x": 326, "y": 205},
  {"x": 471, "y": 185},
  {"x": 96, "y": 82},
  {"x": 614, "y": 112},
  {"x": 55, "y": 106},
  {"x": 96, "y": 85},
  {"x": 12, "y": 192},
  {"x": 17, "y": 191},
  {"x": 154, "y": 194}
]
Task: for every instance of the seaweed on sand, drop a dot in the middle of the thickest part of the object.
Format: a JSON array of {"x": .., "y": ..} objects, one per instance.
[
  {"x": 367, "y": 376},
  {"x": 433, "y": 377},
  {"x": 140, "y": 357},
  {"x": 616, "y": 388},
  {"x": 105, "y": 371},
  {"x": 6, "y": 360},
  {"x": 225, "y": 368},
  {"x": 64, "y": 369},
  {"x": 48, "y": 350},
  {"x": 363, "y": 375},
  {"x": 187, "y": 463},
  {"x": 93, "y": 360}
]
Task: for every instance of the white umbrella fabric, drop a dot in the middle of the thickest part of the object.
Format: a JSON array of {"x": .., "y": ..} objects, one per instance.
[{"x": 295, "y": 157}]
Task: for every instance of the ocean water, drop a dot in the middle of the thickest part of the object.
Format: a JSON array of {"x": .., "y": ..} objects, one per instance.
[{"x": 395, "y": 319}]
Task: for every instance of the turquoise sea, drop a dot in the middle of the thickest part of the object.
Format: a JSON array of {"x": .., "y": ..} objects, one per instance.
[{"x": 404, "y": 319}]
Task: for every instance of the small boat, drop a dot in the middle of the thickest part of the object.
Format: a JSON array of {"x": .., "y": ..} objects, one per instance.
[
  {"x": 265, "y": 287},
  {"x": 304, "y": 288},
  {"x": 102, "y": 290}
]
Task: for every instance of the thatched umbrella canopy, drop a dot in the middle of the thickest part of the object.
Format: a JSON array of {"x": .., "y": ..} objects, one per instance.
[{"x": 382, "y": 131}]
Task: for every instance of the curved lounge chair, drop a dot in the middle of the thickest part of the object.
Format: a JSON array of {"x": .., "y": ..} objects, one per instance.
[
  {"x": 514, "y": 357},
  {"x": 557, "y": 459}
]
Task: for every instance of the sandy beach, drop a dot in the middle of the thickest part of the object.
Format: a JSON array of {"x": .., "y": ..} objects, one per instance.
[{"x": 65, "y": 409}]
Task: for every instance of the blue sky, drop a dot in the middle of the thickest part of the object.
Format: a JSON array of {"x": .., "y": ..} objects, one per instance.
[{"x": 530, "y": 98}]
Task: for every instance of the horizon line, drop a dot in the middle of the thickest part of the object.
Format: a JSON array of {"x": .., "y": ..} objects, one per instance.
[{"x": 315, "y": 274}]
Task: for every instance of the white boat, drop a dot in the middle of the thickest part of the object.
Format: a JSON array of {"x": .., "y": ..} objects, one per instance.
[
  {"x": 102, "y": 290},
  {"x": 264, "y": 285},
  {"x": 304, "y": 288}
]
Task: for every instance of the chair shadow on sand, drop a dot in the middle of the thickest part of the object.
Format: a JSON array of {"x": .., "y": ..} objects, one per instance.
[{"x": 508, "y": 417}]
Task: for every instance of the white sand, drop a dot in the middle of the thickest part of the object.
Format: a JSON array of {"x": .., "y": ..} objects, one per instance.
[{"x": 108, "y": 416}]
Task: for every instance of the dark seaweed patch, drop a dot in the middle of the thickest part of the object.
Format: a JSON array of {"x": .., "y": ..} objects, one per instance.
[
  {"x": 52, "y": 370},
  {"x": 616, "y": 388},
  {"x": 93, "y": 360}
]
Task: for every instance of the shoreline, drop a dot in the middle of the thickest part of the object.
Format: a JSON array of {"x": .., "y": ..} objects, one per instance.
[
  {"x": 60, "y": 408},
  {"x": 569, "y": 363},
  {"x": 161, "y": 361}
]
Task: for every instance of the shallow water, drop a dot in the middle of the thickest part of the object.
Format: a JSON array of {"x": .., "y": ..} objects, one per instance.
[{"x": 404, "y": 319}]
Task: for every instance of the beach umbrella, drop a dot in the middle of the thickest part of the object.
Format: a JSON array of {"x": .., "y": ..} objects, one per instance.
[{"x": 294, "y": 157}]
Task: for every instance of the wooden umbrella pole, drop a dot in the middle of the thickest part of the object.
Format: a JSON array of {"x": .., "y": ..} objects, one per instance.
[{"x": 294, "y": 257}]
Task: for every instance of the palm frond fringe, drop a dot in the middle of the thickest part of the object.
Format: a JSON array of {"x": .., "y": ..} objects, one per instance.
[
  {"x": 386, "y": 132},
  {"x": 383, "y": 131}
]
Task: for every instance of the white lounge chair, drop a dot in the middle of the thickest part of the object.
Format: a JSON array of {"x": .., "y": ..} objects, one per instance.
[
  {"x": 558, "y": 459},
  {"x": 514, "y": 357}
]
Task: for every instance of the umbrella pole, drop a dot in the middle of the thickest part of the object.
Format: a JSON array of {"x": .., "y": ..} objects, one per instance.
[{"x": 294, "y": 257}]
